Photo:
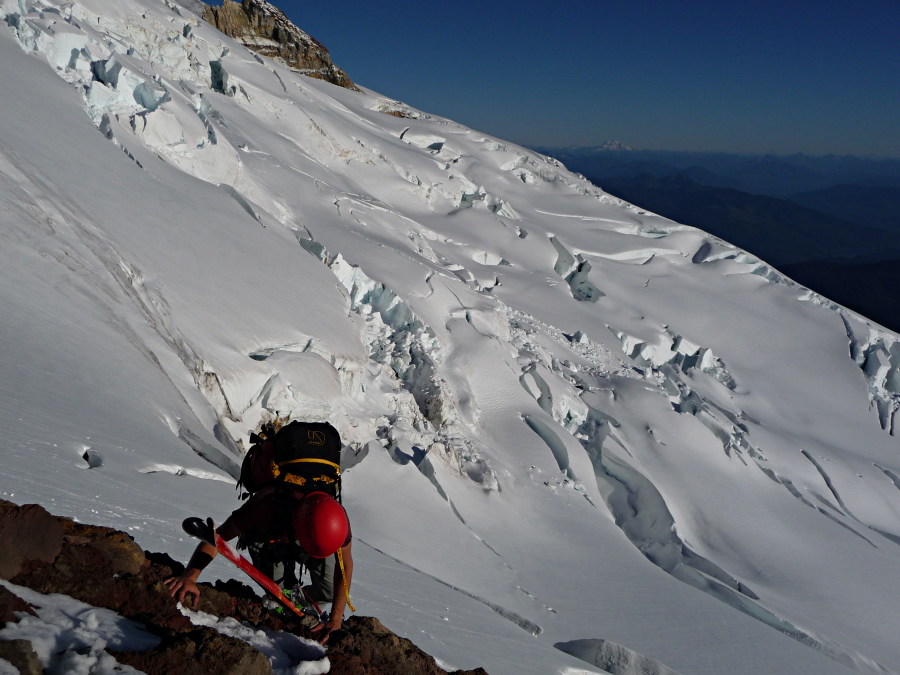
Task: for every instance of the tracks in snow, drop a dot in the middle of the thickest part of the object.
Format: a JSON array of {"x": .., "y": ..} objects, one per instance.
[{"x": 509, "y": 615}]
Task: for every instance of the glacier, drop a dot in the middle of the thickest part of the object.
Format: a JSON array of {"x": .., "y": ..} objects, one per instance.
[{"x": 580, "y": 437}]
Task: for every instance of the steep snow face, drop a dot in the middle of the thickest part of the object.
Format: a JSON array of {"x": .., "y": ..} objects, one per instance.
[{"x": 593, "y": 434}]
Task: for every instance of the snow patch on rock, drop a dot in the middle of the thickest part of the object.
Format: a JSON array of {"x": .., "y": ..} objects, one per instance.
[{"x": 70, "y": 636}]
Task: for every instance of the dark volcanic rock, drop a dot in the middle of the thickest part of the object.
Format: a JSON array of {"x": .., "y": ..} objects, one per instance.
[
  {"x": 10, "y": 604},
  {"x": 265, "y": 29},
  {"x": 106, "y": 568},
  {"x": 102, "y": 567},
  {"x": 200, "y": 651},
  {"x": 19, "y": 548},
  {"x": 22, "y": 656},
  {"x": 366, "y": 646}
]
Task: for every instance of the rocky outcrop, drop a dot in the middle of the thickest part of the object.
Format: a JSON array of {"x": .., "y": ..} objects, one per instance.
[
  {"x": 106, "y": 568},
  {"x": 264, "y": 28},
  {"x": 20, "y": 654}
]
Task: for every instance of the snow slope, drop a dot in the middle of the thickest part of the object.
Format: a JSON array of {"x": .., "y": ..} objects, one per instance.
[{"x": 597, "y": 437}]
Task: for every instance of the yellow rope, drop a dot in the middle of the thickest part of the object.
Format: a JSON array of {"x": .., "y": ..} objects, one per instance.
[{"x": 344, "y": 578}]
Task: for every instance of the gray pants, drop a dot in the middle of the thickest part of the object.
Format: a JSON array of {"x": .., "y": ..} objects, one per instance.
[
  {"x": 279, "y": 562},
  {"x": 321, "y": 575}
]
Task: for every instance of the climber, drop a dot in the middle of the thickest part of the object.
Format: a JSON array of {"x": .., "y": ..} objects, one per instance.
[{"x": 312, "y": 526}]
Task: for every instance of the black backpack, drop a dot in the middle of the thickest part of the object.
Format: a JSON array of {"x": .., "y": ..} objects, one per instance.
[{"x": 303, "y": 455}]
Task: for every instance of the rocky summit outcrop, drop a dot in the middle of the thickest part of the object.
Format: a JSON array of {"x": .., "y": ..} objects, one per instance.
[
  {"x": 107, "y": 569},
  {"x": 264, "y": 28}
]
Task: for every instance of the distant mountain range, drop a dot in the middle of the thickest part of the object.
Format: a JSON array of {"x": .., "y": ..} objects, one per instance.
[
  {"x": 775, "y": 175},
  {"x": 830, "y": 222}
]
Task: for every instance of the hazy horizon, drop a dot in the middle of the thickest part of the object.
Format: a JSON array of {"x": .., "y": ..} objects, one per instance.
[{"x": 629, "y": 148}]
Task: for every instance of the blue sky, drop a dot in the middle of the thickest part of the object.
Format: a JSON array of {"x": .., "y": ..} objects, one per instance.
[{"x": 764, "y": 76}]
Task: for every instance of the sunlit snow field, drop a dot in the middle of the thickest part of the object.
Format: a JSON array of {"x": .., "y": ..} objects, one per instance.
[{"x": 579, "y": 435}]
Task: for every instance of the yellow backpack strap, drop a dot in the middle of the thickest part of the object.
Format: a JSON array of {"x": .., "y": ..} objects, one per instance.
[
  {"x": 344, "y": 579},
  {"x": 337, "y": 467}
]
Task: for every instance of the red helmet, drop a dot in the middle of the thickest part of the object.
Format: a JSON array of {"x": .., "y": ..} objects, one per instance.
[{"x": 321, "y": 524}]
